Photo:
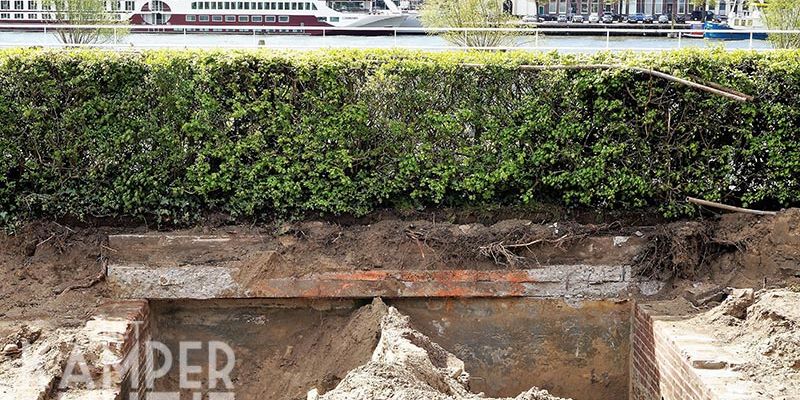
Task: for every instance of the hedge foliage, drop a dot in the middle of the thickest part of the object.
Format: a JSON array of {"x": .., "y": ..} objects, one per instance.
[{"x": 177, "y": 135}]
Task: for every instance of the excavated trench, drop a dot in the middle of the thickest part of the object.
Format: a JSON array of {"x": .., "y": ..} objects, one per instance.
[
  {"x": 466, "y": 312},
  {"x": 285, "y": 348}
]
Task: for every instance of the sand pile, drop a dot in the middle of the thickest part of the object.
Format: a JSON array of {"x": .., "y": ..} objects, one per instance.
[
  {"x": 407, "y": 365},
  {"x": 763, "y": 328}
]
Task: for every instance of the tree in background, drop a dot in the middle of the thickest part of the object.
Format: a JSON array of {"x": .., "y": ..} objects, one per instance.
[
  {"x": 469, "y": 14},
  {"x": 86, "y": 12},
  {"x": 784, "y": 15}
]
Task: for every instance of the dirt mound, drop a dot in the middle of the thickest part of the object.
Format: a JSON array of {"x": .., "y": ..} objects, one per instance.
[
  {"x": 407, "y": 365},
  {"x": 763, "y": 328},
  {"x": 51, "y": 270}
]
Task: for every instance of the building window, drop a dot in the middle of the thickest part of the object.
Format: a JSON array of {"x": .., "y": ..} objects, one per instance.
[
  {"x": 257, "y": 18},
  {"x": 191, "y": 18},
  {"x": 5, "y": 16},
  {"x": 230, "y": 18},
  {"x": 283, "y": 18},
  {"x": 681, "y": 7},
  {"x": 129, "y": 5},
  {"x": 32, "y": 16},
  {"x": 19, "y": 5},
  {"x": 47, "y": 16},
  {"x": 216, "y": 18},
  {"x": 269, "y": 18},
  {"x": 203, "y": 18},
  {"x": 31, "y": 5},
  {"x": 19, "y": 16},
  {"x": 5, "y": 5}
]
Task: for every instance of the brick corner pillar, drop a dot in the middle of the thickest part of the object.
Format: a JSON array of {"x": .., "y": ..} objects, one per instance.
[
  {"x": 123, "y": 329},
  {"x": 672, "y": 359}
]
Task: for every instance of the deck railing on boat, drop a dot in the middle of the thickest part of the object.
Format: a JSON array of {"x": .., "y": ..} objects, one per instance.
[{"x": 538, "y": 38}]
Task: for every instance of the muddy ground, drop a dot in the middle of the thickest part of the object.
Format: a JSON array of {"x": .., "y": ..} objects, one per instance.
[{"x": 54, "y": 271}]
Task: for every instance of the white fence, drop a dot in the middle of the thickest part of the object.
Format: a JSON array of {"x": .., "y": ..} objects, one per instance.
[{"x": 540, "y": 38}]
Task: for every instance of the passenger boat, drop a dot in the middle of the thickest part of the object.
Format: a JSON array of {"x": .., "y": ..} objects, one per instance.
[{"x": 279, "y": 16}]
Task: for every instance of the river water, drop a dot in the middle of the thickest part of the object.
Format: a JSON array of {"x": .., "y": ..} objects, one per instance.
[{"x": 581, "y": 44}]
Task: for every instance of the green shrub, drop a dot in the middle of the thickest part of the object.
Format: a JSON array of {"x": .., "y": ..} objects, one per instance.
[{"x": 178, "y": 135}]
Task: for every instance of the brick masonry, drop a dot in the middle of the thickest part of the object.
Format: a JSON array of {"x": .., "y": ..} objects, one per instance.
[
  {"x": 121, "y": 330},
  {"x": 670, "y": 361}
]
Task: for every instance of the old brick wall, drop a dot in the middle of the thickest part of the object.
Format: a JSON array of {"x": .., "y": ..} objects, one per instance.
[{"x": 671, "y": 361}]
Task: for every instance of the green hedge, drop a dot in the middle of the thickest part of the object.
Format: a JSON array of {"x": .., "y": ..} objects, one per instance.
[{"x": 179, "y": 135}]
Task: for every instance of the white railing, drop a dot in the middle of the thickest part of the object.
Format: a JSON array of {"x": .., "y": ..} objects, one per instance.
[{"x": 531, "y": 38}]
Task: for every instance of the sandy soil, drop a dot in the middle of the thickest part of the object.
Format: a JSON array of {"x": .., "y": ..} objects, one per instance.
[
  {"x": 764, "y": 330},
  {"x": 406, "y": 364}
]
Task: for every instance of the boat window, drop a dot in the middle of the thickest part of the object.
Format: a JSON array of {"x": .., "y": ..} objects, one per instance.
[
  {"x": 322, "y": 19},
  {"x": 313, "y": 6},
  {"x": 239, "y": 5},
  {"x": 280, "y": 6},
  {"x": 191, "y": 18},
  {"x": 216, "y": 18},
  {"x": 203, "y": 18},
  {"x": 244, "y": 18},
  {"x": 230, "y": 18},
  {"x": 257, "y": 18},
  {"x": 213, "y": 5},
  {"x": 294, "y": 6},
  {"x": 260, "y": 5},
  {"x": 351, "y": 5},
  {"x": 334, "y": 19},
  {"x": 247, "y": 5},
  {"x": 269, "y": 18},
  {"x": 283, "y": 18}
]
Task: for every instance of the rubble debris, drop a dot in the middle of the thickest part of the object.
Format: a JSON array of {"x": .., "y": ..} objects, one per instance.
[
  {"x": 763, "y": 330},
  {"x": 407, "y": 364}
]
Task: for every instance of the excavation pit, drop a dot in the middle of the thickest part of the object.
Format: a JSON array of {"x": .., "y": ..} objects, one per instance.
[{"x": 284, "y": 348}]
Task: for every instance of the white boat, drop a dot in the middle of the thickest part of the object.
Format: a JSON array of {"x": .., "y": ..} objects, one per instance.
[{"x": 285, "y": 16}]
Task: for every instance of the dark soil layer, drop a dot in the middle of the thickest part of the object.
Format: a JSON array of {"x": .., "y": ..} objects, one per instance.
[{"x": 50, "y": 270}]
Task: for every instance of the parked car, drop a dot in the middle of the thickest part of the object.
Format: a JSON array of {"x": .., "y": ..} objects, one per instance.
[
  {"x": 648, "y": 19},
  {"x": 594, "y": 18},
  {"x": 530, "y": 19},
  {"x": 663, "y": 19},
  {"x": 636, "y": 18},
  {"x": 561, "y": 18},
  {"x": 607, "y": 19},
  {"x": 698, "y": 15},
  {"x": 578, "y": 19},
  {"x": 546, "y": 17}
]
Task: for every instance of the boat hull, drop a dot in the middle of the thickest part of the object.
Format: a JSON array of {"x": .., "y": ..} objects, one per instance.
[{"x": 725, "y": 32}]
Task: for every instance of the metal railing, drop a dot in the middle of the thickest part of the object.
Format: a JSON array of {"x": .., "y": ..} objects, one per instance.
[{"x": 540, "y": 38}]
